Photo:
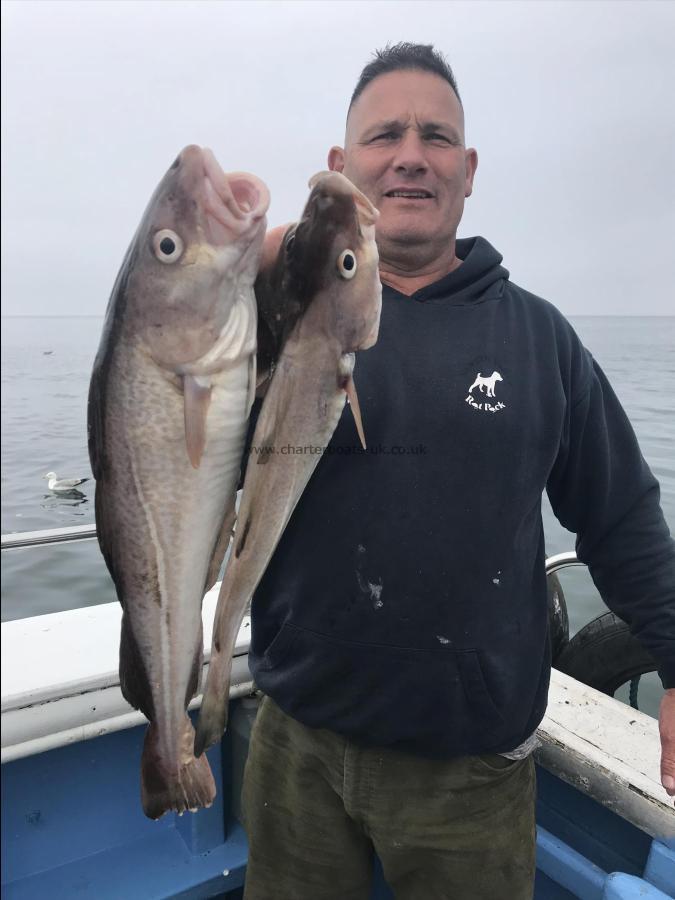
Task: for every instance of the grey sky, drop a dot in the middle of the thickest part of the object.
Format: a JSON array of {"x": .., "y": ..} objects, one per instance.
[{"x": 568, "y": 103}]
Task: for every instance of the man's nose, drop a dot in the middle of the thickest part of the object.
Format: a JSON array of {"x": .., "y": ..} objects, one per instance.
[{"x": 410, "y": 156}]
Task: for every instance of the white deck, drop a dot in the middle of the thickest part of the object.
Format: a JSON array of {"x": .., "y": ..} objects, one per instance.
[
  {"x": 60, "y": 681},
  {"x": 60, "y": 685},
  {"x": 607, "y": 750},
  {"x": 76, "y": 649}
]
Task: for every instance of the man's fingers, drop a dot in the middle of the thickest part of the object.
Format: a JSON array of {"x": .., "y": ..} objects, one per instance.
[
  {"x": 273, "y": 240},
  {"x": 668, "y": 774},
  {"x": 667, "y": 732}
]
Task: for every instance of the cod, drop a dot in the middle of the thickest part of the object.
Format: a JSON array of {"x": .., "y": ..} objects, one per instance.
[
  {"x": 169, "y": 400},
  {"x": 319, "y": 302}
]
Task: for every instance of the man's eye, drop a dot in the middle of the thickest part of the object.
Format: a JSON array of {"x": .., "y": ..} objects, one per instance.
[
  {"x": 386, "y": 136},
  {"x": 434, "y": 136}
]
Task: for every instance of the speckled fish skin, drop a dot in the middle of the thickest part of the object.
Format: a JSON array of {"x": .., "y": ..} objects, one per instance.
[
  {"x": 169, "y": 399},
  {"x": 334, "y": 315}
]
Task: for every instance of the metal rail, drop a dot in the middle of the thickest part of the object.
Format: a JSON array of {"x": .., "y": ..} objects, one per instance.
[
  {"x": 562, "y": 561},
  {"x": 88, "y": 533},
  {"x": 48, "y": 536}
]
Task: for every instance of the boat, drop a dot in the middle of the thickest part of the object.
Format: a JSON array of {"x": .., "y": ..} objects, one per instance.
[{"x": 73, "y": 827}]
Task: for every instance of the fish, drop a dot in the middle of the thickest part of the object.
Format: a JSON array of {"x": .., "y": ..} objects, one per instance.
[
  {"x": 169, "y": 399},
  {"x": 320, "y": 302}
]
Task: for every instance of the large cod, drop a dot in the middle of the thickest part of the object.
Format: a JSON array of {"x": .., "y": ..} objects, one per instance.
[{"x": 170, "y": 395}]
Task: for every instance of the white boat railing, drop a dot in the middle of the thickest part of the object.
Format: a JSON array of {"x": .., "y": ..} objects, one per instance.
[
  {"x": 562, "y": 561},
  {"x": 19, "y": 539},
  {"x": 14, "y": 541}
]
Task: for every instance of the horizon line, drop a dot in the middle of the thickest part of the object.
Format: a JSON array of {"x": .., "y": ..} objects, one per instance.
[{"x": 569, "y": 315}]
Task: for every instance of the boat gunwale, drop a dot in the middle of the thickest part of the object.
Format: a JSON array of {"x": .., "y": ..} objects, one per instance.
[{"x": 578, "y": 733}]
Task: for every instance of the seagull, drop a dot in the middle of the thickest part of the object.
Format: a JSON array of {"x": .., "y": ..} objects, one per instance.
[{"x": 62, "y": 485}]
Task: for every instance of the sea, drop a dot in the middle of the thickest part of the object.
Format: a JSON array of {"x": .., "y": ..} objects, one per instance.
[{"x": 46, "y": 365}]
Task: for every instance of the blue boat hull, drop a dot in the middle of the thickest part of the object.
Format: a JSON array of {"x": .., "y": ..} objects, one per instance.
[{"x": 72, "y": 827}]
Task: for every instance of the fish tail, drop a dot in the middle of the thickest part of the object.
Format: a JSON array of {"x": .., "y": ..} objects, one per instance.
[{"x": 187, "y": 786}]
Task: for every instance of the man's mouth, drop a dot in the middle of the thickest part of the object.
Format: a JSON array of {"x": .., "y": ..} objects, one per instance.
[{"x": 410, "y": 194}]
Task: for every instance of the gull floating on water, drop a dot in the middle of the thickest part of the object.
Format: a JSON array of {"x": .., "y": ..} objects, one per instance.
[{"x": 62, "y": 484}]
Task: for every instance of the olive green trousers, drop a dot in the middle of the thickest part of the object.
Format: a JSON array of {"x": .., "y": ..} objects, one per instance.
[{"x": 317, "y": 808}]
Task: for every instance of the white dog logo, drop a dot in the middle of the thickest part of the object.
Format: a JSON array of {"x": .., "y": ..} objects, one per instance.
[{"x": 489, "y": 383}]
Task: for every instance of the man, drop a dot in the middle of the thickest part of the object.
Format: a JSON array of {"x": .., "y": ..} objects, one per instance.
[{"x": 401, "y": 631}]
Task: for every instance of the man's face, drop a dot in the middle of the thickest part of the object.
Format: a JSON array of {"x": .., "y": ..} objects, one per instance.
[{"x": 405, "y": 150}]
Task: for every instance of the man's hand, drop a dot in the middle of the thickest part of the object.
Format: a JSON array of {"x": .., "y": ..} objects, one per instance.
[
  {"x": 667, "y": 732},
  {"x": 273, "y": 240}
]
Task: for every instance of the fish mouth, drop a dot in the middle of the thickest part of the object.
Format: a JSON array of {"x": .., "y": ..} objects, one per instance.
[
  {"x": 339, "y": 185},
  {"x": 335, "y": 205},
  {"x": 234, "y": 202}
]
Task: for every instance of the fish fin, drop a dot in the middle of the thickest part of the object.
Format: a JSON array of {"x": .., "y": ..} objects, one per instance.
[
  {"x": 263, "y": 385},
  {"x": 213, "y": 714},
  {"x": 215, "y": 702},
  {"x": 350, "y": 389},
  {"x": 98, "y": 386},
  {"x": 195, "y": 678},
  {"x": 222, "y": 543},
  {"x": 196, "y": 399},
  {"x": 190, "y": 787},
  {"x": 107, "y": 534},
  {"x": 95, "y": 416},
  {"x": 252, "y": 369},
  {"x": 266, "y": 353},
  {"x": 133, "y": 677}
]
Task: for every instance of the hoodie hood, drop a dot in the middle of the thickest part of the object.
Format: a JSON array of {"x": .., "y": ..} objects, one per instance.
[{"x": 480, "y": 277}]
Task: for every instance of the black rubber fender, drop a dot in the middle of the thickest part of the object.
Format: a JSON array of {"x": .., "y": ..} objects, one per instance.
[
  {"x": 604, "y": 655},
  {"x": 558, "y": 620}
]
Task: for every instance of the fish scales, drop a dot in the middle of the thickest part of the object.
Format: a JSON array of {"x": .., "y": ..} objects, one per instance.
[
  {"x": 169, "y": 400},
  {"x": 178, "y": 506}
]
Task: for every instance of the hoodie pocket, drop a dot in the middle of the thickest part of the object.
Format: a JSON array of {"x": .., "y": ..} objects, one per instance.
[
  {"x": 279, "y": 648},
  {"x": 476, "y": 690},
  {"x": 426, "y": 700}
]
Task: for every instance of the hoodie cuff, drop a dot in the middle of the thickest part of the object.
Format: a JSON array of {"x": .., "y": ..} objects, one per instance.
[{"x": 667, "y": 675}]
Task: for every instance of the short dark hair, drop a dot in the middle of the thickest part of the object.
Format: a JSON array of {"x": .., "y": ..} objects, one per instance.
[{"x": 401, "y": 57}]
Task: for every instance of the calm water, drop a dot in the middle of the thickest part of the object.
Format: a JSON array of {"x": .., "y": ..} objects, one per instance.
[{"x": 46, "y": 365}]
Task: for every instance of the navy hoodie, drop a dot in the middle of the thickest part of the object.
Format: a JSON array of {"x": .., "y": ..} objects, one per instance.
[{"x": 405, "y": 605}]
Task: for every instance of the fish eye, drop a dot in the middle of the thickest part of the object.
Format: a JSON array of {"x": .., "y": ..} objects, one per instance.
[
  {"x": 167, "y": 245},
  {"x": 346, "y": 264}
]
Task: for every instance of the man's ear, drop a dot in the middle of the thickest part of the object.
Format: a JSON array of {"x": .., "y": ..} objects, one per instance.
[
  {"x": 336, "y": 159},
  {"x": 470, "y": 165}
]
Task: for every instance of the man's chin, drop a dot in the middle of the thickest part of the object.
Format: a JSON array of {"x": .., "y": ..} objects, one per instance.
[{"x": 406, "y": 236}]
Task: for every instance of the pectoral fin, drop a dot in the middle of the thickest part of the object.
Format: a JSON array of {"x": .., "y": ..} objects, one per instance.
[
  {"x": 350, "y": 389},
  {"x": 222, "y": 543},
  {"x": 196, "y": 398}
]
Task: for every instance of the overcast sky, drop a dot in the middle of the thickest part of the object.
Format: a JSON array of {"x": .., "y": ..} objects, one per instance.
[{"x": 568, "y": 103}]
